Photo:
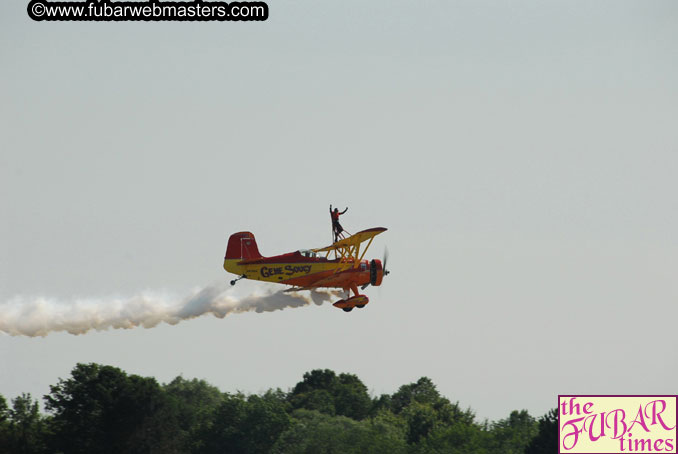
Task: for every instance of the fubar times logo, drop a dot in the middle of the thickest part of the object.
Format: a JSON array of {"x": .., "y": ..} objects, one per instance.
[{"x": 601, "y": 424}]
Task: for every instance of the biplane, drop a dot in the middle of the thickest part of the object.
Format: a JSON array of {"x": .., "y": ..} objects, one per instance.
[{"x": 340, "y": 265}]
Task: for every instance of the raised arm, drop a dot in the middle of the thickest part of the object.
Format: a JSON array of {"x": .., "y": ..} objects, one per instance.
[{"x": 344, "y": 211}]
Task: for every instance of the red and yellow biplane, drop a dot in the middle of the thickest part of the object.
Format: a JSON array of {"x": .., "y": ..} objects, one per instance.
[{"x": 308, "y": 269}]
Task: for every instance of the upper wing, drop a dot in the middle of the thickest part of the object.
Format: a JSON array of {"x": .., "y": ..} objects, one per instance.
[{"x": 353, "y": 240}]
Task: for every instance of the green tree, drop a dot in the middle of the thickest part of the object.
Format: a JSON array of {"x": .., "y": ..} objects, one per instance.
[
  {"x": 4, "y": 426},
  {"x": 423, "y": 391},
  {"x": 266, "y": 420},
  {"x": 328, "y": 393},
  {"x": 102, "y": 409},
  {"x": 424, "y": 409},
  {"x": 316, "y": 379},
  {"x": 4, "y": 410},
  {"x": 546, "y": 440},
  {"x": 381, "y": 403},
  {"x": 389, "y": 424},
  {"x": 457, "y": 438},
  {"x": 312, "y": 432},
  {"x": 250, "y": 425},
  {"x": 421, "y": 419},
  {"x": 317, "y": 399},
  {"x": 224, "y": 434},
  {"x": 196, "y": 402},
  {"x": 351, "y": 397},
  {"x": 513, "y": 434},
  {"x": 27, "y": 426}
]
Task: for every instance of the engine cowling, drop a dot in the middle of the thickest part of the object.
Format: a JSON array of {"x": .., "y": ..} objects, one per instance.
[{"x": 376, "y": 272}]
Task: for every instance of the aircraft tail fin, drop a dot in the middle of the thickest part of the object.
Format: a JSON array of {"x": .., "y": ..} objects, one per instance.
[{"x": 242, "y": 246}]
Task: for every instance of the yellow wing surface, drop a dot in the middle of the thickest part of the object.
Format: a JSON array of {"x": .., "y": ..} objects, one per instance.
[{"x": 348, "y": 249}]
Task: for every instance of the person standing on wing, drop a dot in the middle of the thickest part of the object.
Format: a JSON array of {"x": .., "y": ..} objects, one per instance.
[{"x": 336, "y": 227}]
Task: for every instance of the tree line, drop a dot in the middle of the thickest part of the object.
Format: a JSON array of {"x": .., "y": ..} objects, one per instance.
[{"x": 102, "y": 409}]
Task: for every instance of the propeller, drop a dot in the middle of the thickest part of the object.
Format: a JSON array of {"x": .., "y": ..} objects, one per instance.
[
  {"x": 385, "y": 270},
  {"x": 373, "y": 275}
]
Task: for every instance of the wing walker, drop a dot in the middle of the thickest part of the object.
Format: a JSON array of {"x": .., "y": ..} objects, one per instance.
[{"x": 340, "y": 265}]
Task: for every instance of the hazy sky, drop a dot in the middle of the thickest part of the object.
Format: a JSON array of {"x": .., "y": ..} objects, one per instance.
[{"x": 523, "y": 155}]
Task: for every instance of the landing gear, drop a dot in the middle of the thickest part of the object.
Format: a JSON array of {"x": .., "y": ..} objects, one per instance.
[
  {"x": 236, "y": 280},
  {"x": 350, "y": 302}
]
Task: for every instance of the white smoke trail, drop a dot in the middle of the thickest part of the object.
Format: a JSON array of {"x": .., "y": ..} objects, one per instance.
[{"x": 40, "y": 316}]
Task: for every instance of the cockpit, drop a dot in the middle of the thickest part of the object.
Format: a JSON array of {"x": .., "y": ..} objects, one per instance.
[{"x": 307, "y": 253}]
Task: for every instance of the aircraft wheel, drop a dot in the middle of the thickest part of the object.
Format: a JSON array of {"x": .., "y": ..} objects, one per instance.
[
  {"x": 233, "y": 282},
  {"x": 347, "y": 309},
  {"x": 359, "y": 306}
]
